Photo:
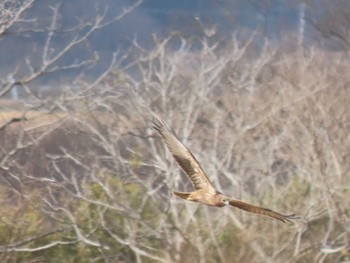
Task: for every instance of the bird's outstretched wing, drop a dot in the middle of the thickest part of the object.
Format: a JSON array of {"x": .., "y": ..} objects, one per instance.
[
  {"x": 183, "y": 157},
  {"x": 261, "y": 211}
]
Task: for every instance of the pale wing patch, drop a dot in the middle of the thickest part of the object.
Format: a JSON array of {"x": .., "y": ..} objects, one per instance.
[
  {"x": 184, "y": 158},
  {"x": 198, "y": 181}
]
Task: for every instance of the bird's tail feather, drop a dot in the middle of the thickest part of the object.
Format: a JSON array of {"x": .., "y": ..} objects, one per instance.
[{"x": 183, "y": 195}]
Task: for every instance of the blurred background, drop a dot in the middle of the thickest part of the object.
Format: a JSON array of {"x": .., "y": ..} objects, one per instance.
[{"x": 258, "y": 90}]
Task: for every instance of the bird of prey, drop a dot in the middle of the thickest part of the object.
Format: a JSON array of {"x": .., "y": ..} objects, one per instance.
[{"x": 205, "y": 192}]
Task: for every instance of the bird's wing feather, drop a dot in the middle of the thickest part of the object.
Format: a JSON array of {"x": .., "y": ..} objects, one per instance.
[
  {"x": 183, "y": 157},
  {"x": 262, "y": 211}
]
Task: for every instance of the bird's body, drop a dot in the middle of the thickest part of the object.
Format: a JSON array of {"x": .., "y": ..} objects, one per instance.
[
  {"x": 204, "y": 192},
  {"x": 203, "y": 196}
]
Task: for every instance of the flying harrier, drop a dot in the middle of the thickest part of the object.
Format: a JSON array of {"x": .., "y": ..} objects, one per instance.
[{"x": 205, "y": 192}]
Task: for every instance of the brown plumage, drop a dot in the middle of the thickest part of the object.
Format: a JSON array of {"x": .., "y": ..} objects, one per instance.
[{"x": 204, "y": 192}]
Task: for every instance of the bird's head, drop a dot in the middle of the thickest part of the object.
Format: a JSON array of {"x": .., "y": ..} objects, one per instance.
[
  {"x": 222, "y": 200},
  {"x": 225, "y": 200}
]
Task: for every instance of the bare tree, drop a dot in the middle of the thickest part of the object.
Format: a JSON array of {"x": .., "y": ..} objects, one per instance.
[
  {"x": 85, "y": 176},
  {"x": 331, "y": 22}
]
